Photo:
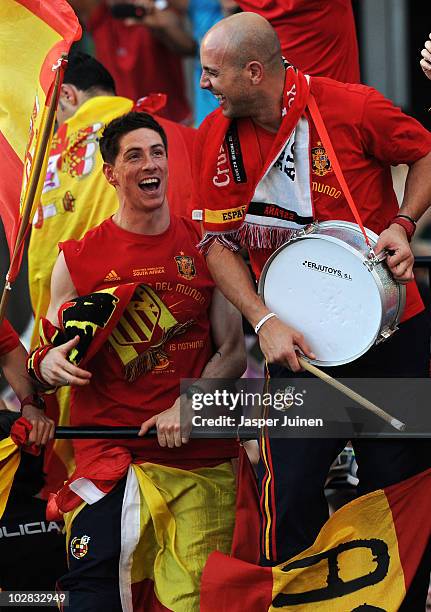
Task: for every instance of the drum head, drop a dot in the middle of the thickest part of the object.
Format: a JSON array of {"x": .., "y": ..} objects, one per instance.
[{"x": 323, "y": 289}]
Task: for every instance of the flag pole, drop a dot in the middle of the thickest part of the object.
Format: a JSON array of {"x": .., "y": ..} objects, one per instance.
[{"x": 40, "y": 156}]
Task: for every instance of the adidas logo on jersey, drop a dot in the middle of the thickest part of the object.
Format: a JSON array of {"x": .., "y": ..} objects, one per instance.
[{"x": 111, "y": 276}]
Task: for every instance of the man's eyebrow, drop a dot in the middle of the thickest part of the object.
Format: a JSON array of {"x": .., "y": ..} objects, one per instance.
[
  {"x": 132, "y": 150},
  {"x": 139, "y": 149}
]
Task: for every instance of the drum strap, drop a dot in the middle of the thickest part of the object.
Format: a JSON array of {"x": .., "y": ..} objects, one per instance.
[{"x": 326, "y": 141}]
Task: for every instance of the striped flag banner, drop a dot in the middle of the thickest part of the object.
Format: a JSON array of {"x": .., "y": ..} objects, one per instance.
[
  {"x": 35, "y": 36},
  {"x": 9, "y": 461},
  {"x": 364, "y": 558}
]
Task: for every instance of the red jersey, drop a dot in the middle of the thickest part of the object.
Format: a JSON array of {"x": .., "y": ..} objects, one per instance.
[
  {"x": 9, "y": 339},
  {"x": 317, "y": 36},
  {"x": 139, "y": 63},
  {"x": 369, "y": 134},
  {"x": 169, "y": 310}
]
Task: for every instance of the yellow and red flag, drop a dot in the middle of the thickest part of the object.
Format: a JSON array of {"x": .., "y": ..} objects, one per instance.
[
  {"x": 34, "y": 36},
  {"x": 364, "y": 557},
  {"x": 9, "y": 461},
  {"x": 10, "y": 451}
]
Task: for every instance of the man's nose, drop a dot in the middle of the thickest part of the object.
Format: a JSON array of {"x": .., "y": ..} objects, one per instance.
[
  {"x": 148, "y": 162},
  {"x": 204, "y": 81}
]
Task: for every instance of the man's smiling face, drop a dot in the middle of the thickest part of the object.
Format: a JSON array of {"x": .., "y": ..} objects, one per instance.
[
  {"x": 226, "y": 80},
  {"x": 140, "y": 170}
]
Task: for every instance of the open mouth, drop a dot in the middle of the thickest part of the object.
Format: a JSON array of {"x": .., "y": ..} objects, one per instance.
[
  {"x": 149, "y": 184},
  {"x": 220, "y": 97}
]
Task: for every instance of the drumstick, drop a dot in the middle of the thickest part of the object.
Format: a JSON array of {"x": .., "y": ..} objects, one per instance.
[{"x": 353, "y": 395}]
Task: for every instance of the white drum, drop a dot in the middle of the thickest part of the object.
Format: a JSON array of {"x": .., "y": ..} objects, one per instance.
[{"x": 324, "y": 284}]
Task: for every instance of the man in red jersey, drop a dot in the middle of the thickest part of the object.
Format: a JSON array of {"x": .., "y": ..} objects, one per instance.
[
  {"x": 262, "y": 174},
  {"x": 176, "y": 325},
  {"x": 76, "y": 197}
]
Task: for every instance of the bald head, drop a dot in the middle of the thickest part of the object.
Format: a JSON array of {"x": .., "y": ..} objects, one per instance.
[
  {"x": 245, "y": 37},
  {"x": 242, "y": 67}
]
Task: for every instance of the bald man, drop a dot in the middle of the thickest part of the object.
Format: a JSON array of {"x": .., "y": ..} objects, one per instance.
[{"x": 262, "y": 175}]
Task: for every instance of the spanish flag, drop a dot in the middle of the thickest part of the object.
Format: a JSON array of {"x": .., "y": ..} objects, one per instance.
[
  {"x": 364, "y": 558},
  {"x": 18, "y": 429},
  {"x": 9, "y": 461},
  {"x": 34, "y": 37}
]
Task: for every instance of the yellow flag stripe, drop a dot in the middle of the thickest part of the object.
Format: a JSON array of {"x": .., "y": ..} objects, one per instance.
[
  {"x": 19, "y": 29},
  {"x": 9, "y": 462},
  {"x": 358, "y": 546}
]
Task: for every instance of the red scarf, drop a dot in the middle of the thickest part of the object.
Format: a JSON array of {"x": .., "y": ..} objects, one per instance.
[{"x": 231, "y": 164}]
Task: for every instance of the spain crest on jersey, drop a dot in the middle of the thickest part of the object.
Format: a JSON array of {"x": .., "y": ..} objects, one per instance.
[
  {"x": 186, "y": 266},
  {"x": 321, "y": 163},
  {"x": 79, "y": 546}
]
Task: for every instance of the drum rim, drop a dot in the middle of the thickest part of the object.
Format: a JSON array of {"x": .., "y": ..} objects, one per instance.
[{"x": 314, "y": 233}]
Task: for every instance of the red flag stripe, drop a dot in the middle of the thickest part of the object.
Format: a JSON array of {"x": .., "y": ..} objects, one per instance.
[
  {"x": 400, "y": 496},
  {"x": 12, "y": 167}
]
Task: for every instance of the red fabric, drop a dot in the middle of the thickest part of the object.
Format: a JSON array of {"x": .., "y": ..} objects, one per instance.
[
  {"x": 110, "y": 399},
  {"x": 181, "y": 141},
  {"x": 10, "y": 190},
  {"x": 54, "y": 467},
  {"x": 153, "y": 103},
  {"x": 19, "y": 434},
  {"x": 245, "y": 541},
  {"x": 104, "y": 468},
  {"x": 246, "y": 587},
  {"x": 52, "y": 511},
  {"x": 265, "y": 140},
  {"x": 219, "y": 187},
  {"x": 9, "y": 339},
  {"x": 409, "y": 502},
  {"x": 144, "y": 597},
  {"x": 368, "y": 134},
  {"x": 138, "y": 62},
  {"x": 318, "y": 36}
]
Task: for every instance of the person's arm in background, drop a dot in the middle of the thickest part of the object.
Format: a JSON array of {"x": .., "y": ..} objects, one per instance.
[
  {"x": 13, "y": 364},
  {"x": 168, "y": 26},
  {"x": 228, "y": 361},
  {"x": 426, "y": 58}
]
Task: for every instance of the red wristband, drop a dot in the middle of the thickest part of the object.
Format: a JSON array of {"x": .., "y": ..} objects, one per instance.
[
  {"x": 33, "y": 367},
  {"x": 408, "y": 224},
  {"x": 33, "y": 400}
]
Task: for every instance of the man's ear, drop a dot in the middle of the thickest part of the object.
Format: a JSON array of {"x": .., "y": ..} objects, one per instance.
[
  {"x": 108, "y": 171},
  {"x": 69, "y": 95},
  {"x": 255, "y": 70}
]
